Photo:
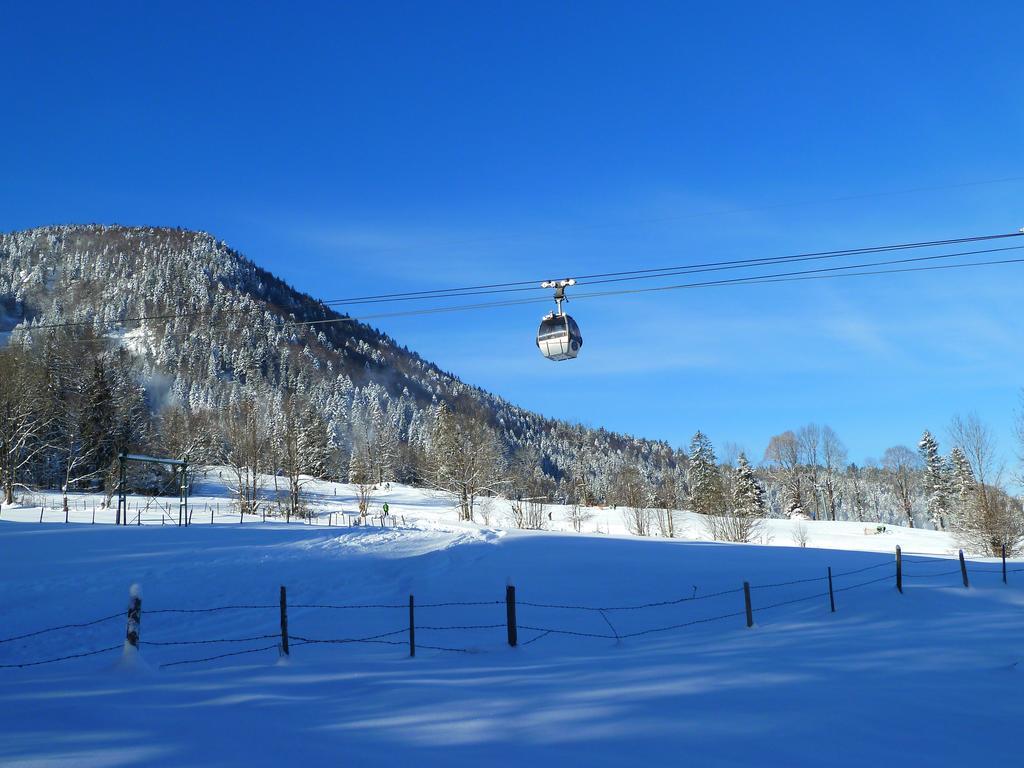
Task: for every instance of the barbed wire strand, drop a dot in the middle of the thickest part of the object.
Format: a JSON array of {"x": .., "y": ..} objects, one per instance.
[
  {"x": 610, "y": 625},
  {"x": 930, "y": 575},
  {"x": 552, "y": 631},
  {"x": 684, "y": 624},
  {"x": 63, "y": 658},
  {"x": 441, "y": 648},
  {"x": 356, "y": 606},
  {"x": 207, "y": 642},
  {"x": 788, "y": 583},
  {"x": 466, "y": 627},
  {"x": 891, "y": 562},
  {"x": 221, "y": 656},
  {"x": 211, "y": 610},
  {"x": 348, "y": 640},
  {"x": 117, "y": 615},
  {"x": 815, "y": 596},
  {"x": 863, "y": 584},
  {"x": 631, "y": 607},
  {"x": 535, "y": 639},
  {"x": 343, "y": 640}
]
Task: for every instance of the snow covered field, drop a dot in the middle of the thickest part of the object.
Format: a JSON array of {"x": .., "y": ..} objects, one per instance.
[
  {"x": 929, "y": 677},
  {"x": 329, "y": 502}
]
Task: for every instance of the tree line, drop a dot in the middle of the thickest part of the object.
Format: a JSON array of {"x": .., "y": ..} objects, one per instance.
[{"x": 68, "y": 407}]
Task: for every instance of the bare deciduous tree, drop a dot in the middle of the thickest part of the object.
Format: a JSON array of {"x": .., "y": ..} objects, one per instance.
[
  {"x": 666, "y": 499},
  {"x": 361, "y": 475},
  {"x": 833, "y": 454},
  {"x": 578, "y": 515},
  {"x": 632, "y": 492},
  {"x": 988, "y": 519},
  {"x": 783, "y": 456},
  {"x": 245, "y": 438},
  {"x": 24, "y": 420},
  {"x": 903, "y": 465},
  {"x": 800, "y": 533},
  {"x": 464, "y": 460},
  {"x": 809, "y": 444},
  {"x": 301, "y": 445}
]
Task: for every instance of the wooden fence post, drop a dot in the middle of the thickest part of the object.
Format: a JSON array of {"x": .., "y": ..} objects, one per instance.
[
  {"x": 284, "y": 621},
  {"x": 746, "y": 599},
  {"x": 131, "y": 637},
  {"x": 963, "y": 568},
  {"x": 831, "y": 595},
  {"x": 40, "y": 514},
  {"x": 412, "y": 627},
  {"x": 1004, "y": 563},
  {"x": 510, "y": 615},
  {"x": 899, "y": 569}
]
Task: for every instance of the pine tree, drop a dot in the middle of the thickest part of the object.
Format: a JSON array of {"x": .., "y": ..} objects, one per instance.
[
  {"x": 704, "y": 480},
  {"x": 749, "y": 493},
  {"x": 964, "y": 489},
  {"x": 314, "y": 443},
  {"x": 937, "y": 480}
]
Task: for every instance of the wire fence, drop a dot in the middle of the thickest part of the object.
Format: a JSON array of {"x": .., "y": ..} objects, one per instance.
[
  {"x": 96, "y": 509},
  {"x": 917, "y": 568}
]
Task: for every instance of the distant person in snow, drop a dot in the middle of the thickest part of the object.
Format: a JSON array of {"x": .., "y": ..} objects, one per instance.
[{"x": 385, "y": 509}]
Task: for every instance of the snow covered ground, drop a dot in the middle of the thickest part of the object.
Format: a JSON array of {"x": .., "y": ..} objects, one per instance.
[{"x": 929, "y": 677}]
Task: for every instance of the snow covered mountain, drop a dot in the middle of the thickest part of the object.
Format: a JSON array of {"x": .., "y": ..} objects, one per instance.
[{"x": 219, "y": 328}]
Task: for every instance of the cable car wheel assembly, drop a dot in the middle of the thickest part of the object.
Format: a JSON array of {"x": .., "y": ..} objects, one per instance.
[{"x": 558, "y": 337}]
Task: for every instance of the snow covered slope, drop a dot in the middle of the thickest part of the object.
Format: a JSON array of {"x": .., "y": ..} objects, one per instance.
[{"x": 927, "y": 677}]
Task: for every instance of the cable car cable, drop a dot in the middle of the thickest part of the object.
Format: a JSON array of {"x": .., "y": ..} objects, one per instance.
[
  {"x": 757, "y": 280},
  {"x": 641, "y": 274},
  {"x": 532, "y": 284},
  {"x": 750, "y": 280}
]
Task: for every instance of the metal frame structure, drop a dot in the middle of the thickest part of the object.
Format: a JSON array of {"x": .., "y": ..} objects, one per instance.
[{"x": 179, "y": 466}]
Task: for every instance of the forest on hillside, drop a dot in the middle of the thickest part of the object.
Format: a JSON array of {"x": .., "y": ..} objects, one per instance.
[{"x": 167, "y": 342}]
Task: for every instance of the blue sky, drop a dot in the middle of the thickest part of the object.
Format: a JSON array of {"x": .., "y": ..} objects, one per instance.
[{"x": 364, "y": 148}]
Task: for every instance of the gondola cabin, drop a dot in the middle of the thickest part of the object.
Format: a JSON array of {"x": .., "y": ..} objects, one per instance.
[{"x": 558, "y": 337}]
